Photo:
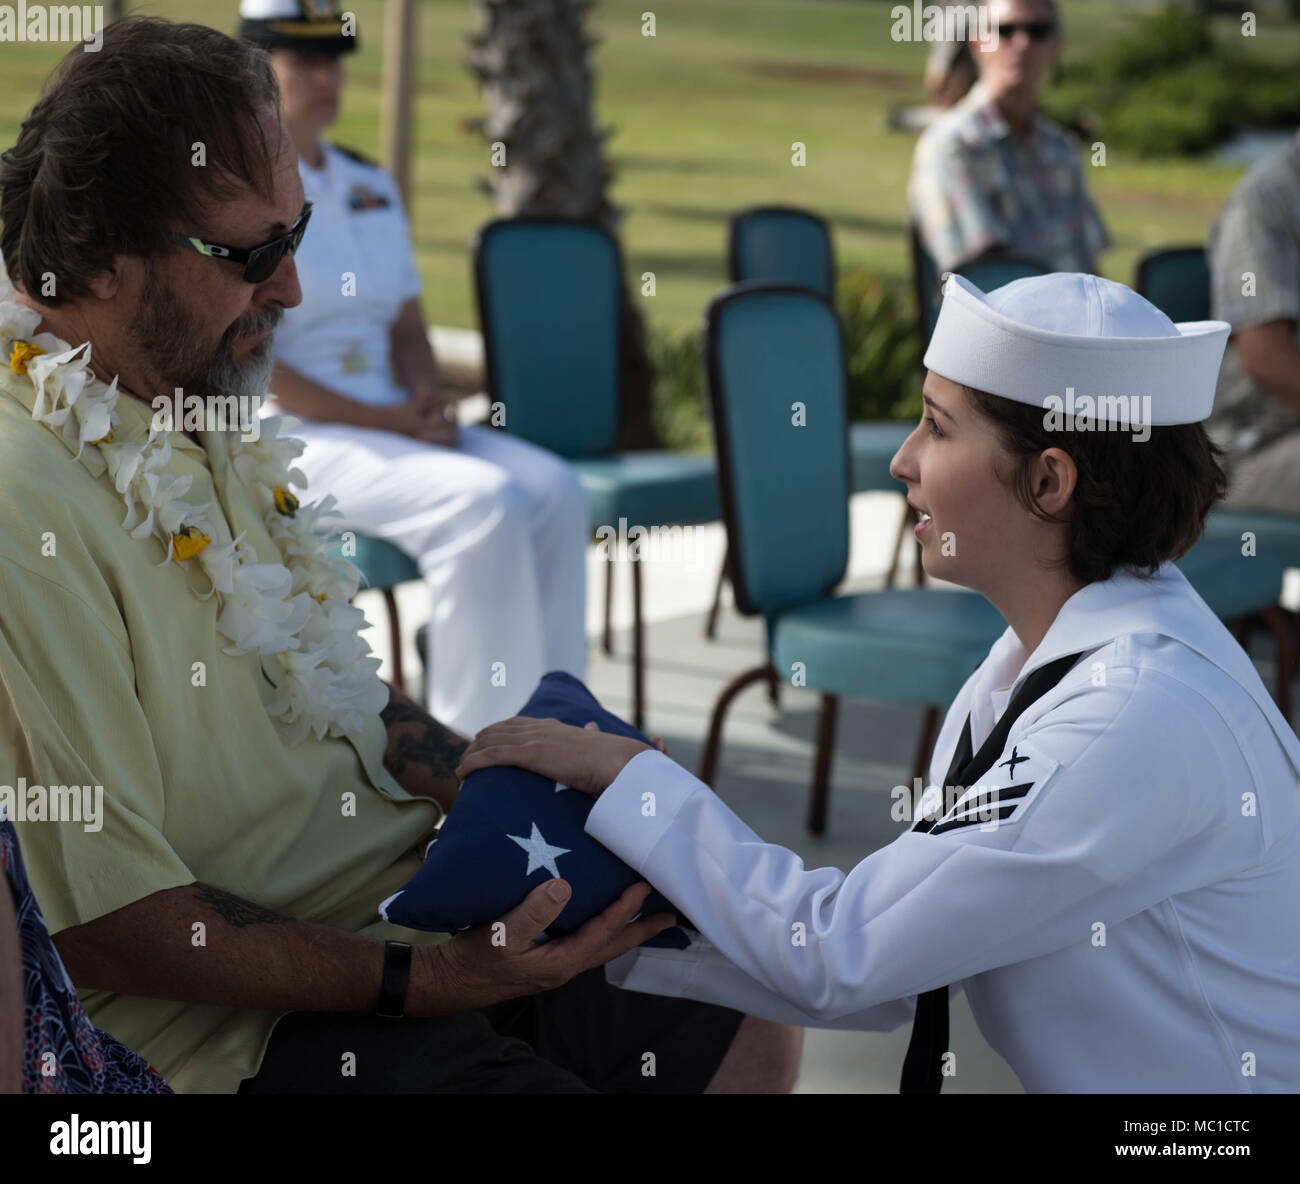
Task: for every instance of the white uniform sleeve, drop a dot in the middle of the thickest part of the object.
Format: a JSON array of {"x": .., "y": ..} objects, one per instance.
[
  {"x": 703, "y": 973},
  {"x": 1115, "y": 801},
  {"x": 708, "y": 977},
  {"x": 408, "y": 282}
]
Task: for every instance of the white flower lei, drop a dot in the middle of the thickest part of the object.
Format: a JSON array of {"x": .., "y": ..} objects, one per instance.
[{"x": 296, "y": 612}]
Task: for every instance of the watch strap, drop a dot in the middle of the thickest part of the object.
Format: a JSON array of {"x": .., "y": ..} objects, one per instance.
[{"x": 397, "y": 977}]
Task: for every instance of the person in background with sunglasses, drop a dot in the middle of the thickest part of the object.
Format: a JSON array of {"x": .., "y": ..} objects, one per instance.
[
  {"x": 994, "y": 172},
  {"x": 498, "y": 526}
]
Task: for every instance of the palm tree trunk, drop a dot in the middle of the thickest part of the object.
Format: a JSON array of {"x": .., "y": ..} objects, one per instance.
[{"x": 532, "y": 59}]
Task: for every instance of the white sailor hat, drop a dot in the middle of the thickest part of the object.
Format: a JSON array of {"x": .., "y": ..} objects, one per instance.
[
  {"x": 1048, "y": 335},
  {"x": 312, "y": 25}
]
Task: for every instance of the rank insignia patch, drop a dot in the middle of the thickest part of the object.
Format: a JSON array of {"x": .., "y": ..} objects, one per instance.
[
  {"x": 1001, "y": 795},
  {"x": 364, "y": 198}
]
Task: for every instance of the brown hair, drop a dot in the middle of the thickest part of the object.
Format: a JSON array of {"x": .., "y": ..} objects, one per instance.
[
  {"x": 1136, "y": 504},
  {"x": 103, "y": 162}
]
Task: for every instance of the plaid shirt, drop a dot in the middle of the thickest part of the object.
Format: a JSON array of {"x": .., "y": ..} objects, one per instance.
[
  {"x": 975, "y": 185},
  {"x": 1258, "y": 232}
]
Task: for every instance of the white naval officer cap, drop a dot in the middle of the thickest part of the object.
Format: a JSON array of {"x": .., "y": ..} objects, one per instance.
[
  {"x": 312, "y": 25},
  {"x": 1043, "y": 336}
]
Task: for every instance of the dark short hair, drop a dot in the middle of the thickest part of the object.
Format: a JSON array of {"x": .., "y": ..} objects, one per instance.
[
  {"x": 103, "y": 162},
  {"x": 1136, "y": 504}
]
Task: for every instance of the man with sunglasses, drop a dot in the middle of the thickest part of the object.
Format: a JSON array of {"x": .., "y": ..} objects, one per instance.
[
  {"x": 259, "y": 791},
  {"x": 259, "y": 262},
  {"x": 994, "y": 173}
]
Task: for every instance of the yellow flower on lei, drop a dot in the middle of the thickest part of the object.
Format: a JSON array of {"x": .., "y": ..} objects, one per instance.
[
  {"x": 188, "y": 542},
  {"x": 285, "y": 502},
  {"x": 22, "y": 353}
]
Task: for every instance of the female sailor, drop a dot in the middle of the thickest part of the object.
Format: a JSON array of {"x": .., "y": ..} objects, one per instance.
[{"x": 1113, "y": 879}]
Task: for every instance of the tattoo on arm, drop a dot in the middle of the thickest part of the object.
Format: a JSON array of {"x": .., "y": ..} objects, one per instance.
[
  {"x": 234, "y": 910},
  {"x": 415, "y": 737}
]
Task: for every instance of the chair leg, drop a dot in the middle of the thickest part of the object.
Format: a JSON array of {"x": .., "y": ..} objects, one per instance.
[
  {"x": 821, "y": 786},
  {"x": 709, "y": 761},
  {"x": 711, "y": 624},
  {"x": 925, "y": 744},
  {"x": 909, "y": 520},
  {"x": 395, "y": 637},
  {"x": 1284, "y": 640},
  {"x": 607, "y": 639},
  {"x": 638, "y": 651}
]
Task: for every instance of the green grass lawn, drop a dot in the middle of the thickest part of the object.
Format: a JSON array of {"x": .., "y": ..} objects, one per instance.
[{"x": 703, "y": 117}]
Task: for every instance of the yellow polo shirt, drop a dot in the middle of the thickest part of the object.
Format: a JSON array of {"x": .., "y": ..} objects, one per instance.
[{"x": 99, "y": 686}]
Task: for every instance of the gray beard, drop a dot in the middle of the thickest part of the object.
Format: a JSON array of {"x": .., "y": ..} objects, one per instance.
[{"x": 167, "y": 335}]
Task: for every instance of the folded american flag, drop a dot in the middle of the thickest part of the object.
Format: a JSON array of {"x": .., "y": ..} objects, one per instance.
[{"x": 510, "y": 830}]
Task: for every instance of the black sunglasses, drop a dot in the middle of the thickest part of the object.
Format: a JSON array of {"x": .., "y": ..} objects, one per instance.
[
  {"x": 1037, "y": 30},
  {"x": 259, "y": 262}
]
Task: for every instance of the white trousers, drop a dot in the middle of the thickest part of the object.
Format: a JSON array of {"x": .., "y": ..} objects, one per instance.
[{"x": 499, "y": 529}]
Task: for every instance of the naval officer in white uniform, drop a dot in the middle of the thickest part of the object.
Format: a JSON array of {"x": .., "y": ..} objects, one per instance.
[
  {"x": 1112, "y": 878},
  {"x": 498, "y": 527}
]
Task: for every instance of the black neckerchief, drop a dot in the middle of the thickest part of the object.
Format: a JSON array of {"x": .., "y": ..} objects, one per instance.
[{"x": 923, "y": 1065}]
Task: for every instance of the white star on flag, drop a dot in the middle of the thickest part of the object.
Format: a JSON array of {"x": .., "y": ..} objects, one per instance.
[{"x": 540, "y": 853}]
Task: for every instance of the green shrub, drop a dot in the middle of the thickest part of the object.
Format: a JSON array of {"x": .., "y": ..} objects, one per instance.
[
  {"x": 1159, "y": 41},
  {"x": 1181, "y": 113},
  {"x": 882, "y": 346},
  {"x": 1168, "y": 88},
  {"x": 681, "y": 419},
  {"x": 1272, "y": 101}
]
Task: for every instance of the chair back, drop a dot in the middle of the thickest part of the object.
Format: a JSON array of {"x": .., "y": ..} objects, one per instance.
[
  {"x": 782, "y": 245},
  {"x": 549, "y": 308},
  {"x": 774, "y": 361},
  {"x": 1177, "y": 281},
  {"x": 925, "y": 284},
  {"x": 990, "y": 272}
]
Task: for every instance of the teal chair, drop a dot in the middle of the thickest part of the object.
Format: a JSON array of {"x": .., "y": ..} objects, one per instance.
[
  {"x": 987, "y": 272},
  {"x": 1177, "y": 281},
  {"x": 1275, "y": 540},
  {"x": 990, "y": 272},
  {"x": 926, "y": 286},
  {"x": 549, "y": 297},
  {"x": 788, "y": 245},
  {"x": 384, "y": 566},
  {"x": 781, "y": 244},
  {"x": 788, "y": 533}
]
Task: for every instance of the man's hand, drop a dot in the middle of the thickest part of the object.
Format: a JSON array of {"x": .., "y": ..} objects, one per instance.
[
  {"x": 585, "y": 759},
  {"x": 437, "y": 406},
  {"x": 424, "y": 416},
  {"x": 475, "y": 968}
]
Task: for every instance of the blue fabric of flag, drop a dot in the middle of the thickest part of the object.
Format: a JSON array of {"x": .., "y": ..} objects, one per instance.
[{"x": 510, "y": 830}]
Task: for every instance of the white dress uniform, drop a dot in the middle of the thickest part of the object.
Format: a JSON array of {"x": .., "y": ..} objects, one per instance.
[
  {"x": 1130, "y": 926},
  {"x": 498, "y": 526},
  {"x": 1122, "y": 917}
]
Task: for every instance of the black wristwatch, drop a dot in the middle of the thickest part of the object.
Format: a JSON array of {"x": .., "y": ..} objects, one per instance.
[{"x": 397, "y": 976}]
